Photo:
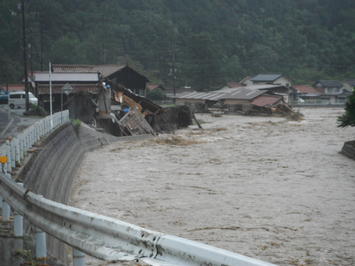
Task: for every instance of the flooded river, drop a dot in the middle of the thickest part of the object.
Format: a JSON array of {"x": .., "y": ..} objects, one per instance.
[{"x": 264, "y": 187}]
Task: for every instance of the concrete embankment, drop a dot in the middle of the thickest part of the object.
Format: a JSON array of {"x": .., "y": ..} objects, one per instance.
[{"x": 53, "y": 165}]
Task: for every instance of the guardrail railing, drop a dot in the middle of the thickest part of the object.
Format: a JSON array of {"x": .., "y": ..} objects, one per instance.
[
  {"x": 15, "y": 149},
  {"x": 110, "y": 239},
  {"x": 96, "y": 235}
]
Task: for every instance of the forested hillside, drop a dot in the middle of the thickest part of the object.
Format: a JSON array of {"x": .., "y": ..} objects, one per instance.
[{"x": 205, "y": 42}]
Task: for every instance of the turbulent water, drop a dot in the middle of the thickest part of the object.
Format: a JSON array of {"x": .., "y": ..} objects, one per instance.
[{"x": 263, "y": 187}]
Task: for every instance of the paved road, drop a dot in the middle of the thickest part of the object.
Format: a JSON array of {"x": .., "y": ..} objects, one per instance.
[
  {"x": 13, "y": 121},
  {"x": 5, "y": 122}
]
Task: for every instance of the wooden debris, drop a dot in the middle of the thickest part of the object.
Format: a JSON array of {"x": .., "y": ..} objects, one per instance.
[{"x": 135, "y": 123}]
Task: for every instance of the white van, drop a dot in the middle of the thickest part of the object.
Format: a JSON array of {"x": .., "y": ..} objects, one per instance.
[{"x": 17, "y": 99}]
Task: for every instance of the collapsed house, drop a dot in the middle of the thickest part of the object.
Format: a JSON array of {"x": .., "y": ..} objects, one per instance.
[
  {"x": 253, "y": 99},
  {"x": 109, "y": 97}
]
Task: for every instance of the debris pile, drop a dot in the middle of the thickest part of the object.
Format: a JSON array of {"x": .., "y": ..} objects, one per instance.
[
  {"x": 176, "y": 141},
  {"x": 120, "y": 112},
  {"x": 171, "y": 118}
]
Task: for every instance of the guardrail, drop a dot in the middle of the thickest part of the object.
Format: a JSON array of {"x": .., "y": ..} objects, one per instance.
[
  {"x": 113, "y": 240},
  {"x": 15, "y": 150},
  {"x": 96, "y": 235}
]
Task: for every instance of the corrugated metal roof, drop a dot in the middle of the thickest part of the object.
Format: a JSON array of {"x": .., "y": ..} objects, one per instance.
[
  {"x": 57, "y": 89},
  {"x": 240, "y": 93},
  {"x": 265, "y": 77},
  {"x": 66, "y": 77},
  {"x": 244, "y": 94},
  {"x": 105, "y": 70}
]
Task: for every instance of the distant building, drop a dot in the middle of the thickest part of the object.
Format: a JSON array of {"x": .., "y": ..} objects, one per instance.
[
  {"x": 329, "y": 87},
  {"x": 332, "y": 91},
  {"x": 275, "y": 79},
  {"x": 307, "y": 94},
  {"x": 83, "y": 79},
  {"x": 120, "y": 74},
  {"x": 13, "y": 87},
  {"x": 235, "y": 99},
  {"x": 78, "y": 82}
]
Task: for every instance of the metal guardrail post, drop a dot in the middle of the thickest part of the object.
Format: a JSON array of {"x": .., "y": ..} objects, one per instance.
[
  {"x": 6, "y": 209},
  {"x": 17, "y": 151},
  {"x": 41, "y": 244},
  {"x": 18, "y": 222},
  {"x": 13, "y": 153},
  {"x": 78, "y": 258},
  {"x": 8, "y": 154}
]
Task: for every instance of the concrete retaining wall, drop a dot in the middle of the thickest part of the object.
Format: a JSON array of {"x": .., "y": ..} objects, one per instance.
[{"x": 51, "y": 169}]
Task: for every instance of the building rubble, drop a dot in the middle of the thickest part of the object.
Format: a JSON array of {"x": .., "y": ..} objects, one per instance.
[{"x": 121, "y": 112}]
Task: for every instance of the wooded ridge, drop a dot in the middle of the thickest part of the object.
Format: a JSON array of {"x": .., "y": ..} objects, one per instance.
[{"x": 203, "y": 43}]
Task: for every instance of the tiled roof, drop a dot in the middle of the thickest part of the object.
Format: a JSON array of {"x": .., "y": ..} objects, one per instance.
[
  {"x": 266, "y": 77},
  {"x": 266, "y": 100},
  {"x": 329, "y": 83},
  {"x": 306, "y": 89}
]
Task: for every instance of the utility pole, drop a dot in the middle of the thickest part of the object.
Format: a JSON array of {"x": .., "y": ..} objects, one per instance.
[
  {"x": 41, "y": 38},
  {"x": 173, "y": 69},
  {"x": 50, "y": 93},
  {"x": 25, "y": 52}
]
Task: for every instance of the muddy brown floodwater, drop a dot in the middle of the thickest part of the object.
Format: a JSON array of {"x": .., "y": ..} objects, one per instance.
[{"x": 264, "y": 187}]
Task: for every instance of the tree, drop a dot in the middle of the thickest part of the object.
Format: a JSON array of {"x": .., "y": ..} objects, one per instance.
[
  {"x": 156, "y": 94},
  {"x": 348, "y": 119},
  {"x": 203, "y": 68}
]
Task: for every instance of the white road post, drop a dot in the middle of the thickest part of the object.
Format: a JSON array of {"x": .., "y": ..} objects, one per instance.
[
  {"x": 78, "y": 258},
  {"x": 41, "y": 244},
  {"x": 50, "y": 94},
  {"x": 18, "y": 222}
]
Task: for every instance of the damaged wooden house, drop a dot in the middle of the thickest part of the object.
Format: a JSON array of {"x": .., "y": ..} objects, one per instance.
[
  {"x": 253, "y": 99},
  {"x": 106, "y": 96}
]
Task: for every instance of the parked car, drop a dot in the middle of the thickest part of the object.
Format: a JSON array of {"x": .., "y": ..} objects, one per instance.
[
  {"x": 4, "y": 95},
  {"x": 17, "y": 99}
]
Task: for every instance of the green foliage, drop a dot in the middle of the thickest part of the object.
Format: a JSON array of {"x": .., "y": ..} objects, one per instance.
[
  {"x": 203, "y": 43},
  {"x": 348, "y": 119},
  {"x": 76, "y": 125},
  {"x": 156, "y": 94}
]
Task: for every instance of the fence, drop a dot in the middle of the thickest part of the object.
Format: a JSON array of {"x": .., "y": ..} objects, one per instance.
[
  {"x": 99, "y": 236},
  {"x": 16, "y": 149}
]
